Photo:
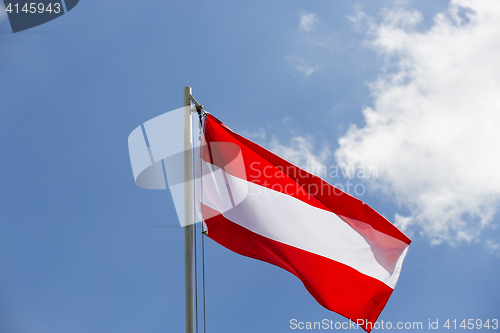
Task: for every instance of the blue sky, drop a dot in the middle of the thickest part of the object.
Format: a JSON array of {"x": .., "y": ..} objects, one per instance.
[{"x": 410, "y": 87}]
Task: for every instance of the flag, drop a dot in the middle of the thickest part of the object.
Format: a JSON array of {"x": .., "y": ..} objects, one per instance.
[{"x": 258, "y": 205}]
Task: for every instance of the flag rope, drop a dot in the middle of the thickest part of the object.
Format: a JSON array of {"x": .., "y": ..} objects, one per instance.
[
  {"x": 201, "y": 114},
  {"x": 195, "y": 280},
  {"x": 203, "y": 281},
  {"x": 195, "y": 247}
]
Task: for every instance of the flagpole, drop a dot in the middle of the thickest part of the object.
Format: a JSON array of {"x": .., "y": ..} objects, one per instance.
[{"x": 188, "y": 215}]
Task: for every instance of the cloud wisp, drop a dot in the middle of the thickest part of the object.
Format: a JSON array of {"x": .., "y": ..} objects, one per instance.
[
  {"x": 300, "y": 64},
  {"x": 307, "y": 21},
  {"x": 433, "y": 127},
  {"x": 301, "y": 152}
]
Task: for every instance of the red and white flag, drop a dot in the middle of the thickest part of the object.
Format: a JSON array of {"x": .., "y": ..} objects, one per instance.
[{"x": 257, "y": 204}]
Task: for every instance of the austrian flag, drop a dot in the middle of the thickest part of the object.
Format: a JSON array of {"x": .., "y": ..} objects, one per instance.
[{"x": 257, "y": 204}]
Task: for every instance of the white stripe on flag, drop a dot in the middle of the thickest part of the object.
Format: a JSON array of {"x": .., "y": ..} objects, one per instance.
[{"x": 285, "y": 219}]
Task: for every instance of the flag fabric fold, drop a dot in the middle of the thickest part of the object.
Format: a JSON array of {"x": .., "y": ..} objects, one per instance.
[{"x": 259, "y": 205}]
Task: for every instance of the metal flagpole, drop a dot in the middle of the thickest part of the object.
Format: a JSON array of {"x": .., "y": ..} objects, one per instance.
[{"x": 188, "y": 215}]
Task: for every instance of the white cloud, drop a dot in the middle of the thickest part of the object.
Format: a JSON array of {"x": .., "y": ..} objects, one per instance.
[
  {"x": 307, "y": 21},
  {"x": 434, "y": 128},
  {"x": 300, "y": 152},
  {"x": 493, "y": 247},
  {"x": 258, "y": 136},
  {"x": 300, "y": 64},
  {"x": 306, "y": 60}
]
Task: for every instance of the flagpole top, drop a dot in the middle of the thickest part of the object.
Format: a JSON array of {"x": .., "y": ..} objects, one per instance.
[
  {"x": 188, "y": 98},
  {"x": 187, "y": 93}
]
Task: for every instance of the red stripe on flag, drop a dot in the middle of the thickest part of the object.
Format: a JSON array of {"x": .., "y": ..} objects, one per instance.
[
  {"x": 336, "y": 286},
  {"x": 264, "y": 168}
]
